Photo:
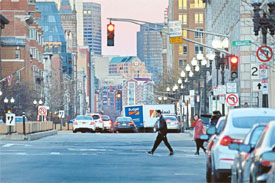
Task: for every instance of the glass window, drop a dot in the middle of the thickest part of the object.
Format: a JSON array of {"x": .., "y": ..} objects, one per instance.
[
  {"x": 183, "y": 18},
  {"x": 199, "y": 18},
  {"x": 184, "y": 50},
  {"x": 198, "y": 48},
  {"x": 84, "y": 118},
  {"x": 182, "y": 4},
  {"x": 51, "y": 18},
  {"x": 184, "y": 33},
  {"x": 181, "y": 50},
  {"x": 198, "y": 35},
  {"x": 249, "y": 121},
  {"x": 256, "y": 135},
  {"x": 17, "y": 53}
]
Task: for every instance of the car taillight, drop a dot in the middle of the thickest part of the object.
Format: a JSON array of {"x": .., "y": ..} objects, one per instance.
[
  {"x": 92, "y": 123},
  {"x": 111, "y": 123},
  {"x": 226, "y": 141},
  {"x": 131, "y": 123},
  {"x": 265, "y": 163},
  {"x": 117, "y": 123},
  {"x": 75, "y": 123},
  {"x": 100, "y": 121}
]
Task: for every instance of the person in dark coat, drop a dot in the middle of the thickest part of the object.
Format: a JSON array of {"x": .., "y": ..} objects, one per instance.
[{"x": 162, "y": 132}]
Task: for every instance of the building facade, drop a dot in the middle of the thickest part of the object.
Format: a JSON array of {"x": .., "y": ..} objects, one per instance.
[
  {"x": 149, "y": 49},
  {"x": 3, "y": 22},
  {"x": 191, "y": 13}
]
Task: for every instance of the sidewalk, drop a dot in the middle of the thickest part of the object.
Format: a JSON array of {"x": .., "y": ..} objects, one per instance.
[{"x": 33, "y": 136}]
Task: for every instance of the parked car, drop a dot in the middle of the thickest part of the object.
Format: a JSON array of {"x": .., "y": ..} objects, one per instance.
[
  {"x": 84, "y": 124},
  {"x": 125, "y": 124},
  {"x": 108, "y": 125},
  {"x": 269, "y": 158},
  {"x": 172, "y": 122},
  {"x": 211, "y": 142},
  {"x": 251, "y": 139},
  {"x": 98, "y": 121},
  {"x": 237, "y": 124},
  {"x": 256, "y": 168}
]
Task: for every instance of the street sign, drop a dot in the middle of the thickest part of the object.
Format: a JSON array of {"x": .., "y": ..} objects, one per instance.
[
  {"x": 10, "y": 119},
  {"x": 255, "y": 71},
  {"x": 263, "y": 71},
  {"x": 222, "y": 99},
  {"x": 175, "y": 29},
  {"x": 241, "y": 43},
  {"x": 176, "y": 40},
  {"x": 231, "y": 87},
  {"x": 257, "y": 86},
  {"x": 221, "y": 90},
  {"x": 186, "y": 98},
  {"x": 42, "y": 110},
  {"x": 264, "y": 53},
  {"x": 265, "y": 86},
  {"x": 61, "y": 114},
  {"x": 232, "y": 99},
  {"x": 192, "y": 92},
  {"x": 215, "y": 91}
]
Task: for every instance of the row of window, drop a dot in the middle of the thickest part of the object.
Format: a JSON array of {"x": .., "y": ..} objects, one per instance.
[
  {"x": 183, "y": 50},
  {"x": 182, "y": 4},
  {"x": 199, "y": 18},
  {"x": 35, "y": 54},
  {"x": 33, "y": 34}
]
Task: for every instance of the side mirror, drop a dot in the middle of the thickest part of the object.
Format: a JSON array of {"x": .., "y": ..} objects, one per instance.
[
  {"x": 244, "y": 148},
  {"x": 204, "y": 137},
  {"x": 268, "y": 156},
  {"x": 235, "y": 147},
  {"x": 211, "y": 130}
]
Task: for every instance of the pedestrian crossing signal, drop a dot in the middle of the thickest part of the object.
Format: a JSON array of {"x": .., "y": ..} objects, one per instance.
[{"x": 110, "y": 34}]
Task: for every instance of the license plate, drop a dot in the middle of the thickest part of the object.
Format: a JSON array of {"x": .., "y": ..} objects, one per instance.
[
  {"x": 83, "y": 123},
  {"x": 123, "y": 124}
]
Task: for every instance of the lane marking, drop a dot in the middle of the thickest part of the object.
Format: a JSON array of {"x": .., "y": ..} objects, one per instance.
[
  {"x": 55, "y": 153},
  {"x": 8, "y": 145}
]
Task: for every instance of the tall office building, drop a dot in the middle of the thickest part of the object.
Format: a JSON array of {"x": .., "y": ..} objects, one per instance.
[
  {"x": 149, "y": 49},
  {"x": 89, "y": 25}
]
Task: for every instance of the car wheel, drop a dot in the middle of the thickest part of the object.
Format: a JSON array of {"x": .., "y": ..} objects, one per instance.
[{"x": 74, "y": 131}]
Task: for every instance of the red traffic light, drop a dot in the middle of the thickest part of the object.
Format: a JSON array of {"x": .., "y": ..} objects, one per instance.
[
  {"x": 110, "y": 27},
  {"x": 234, "y": 59}
]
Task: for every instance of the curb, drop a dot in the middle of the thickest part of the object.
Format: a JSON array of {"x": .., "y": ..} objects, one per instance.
[{"x": 29, "y": 137}]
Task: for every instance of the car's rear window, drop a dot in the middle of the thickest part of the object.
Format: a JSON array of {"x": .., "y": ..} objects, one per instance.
[
  {"x": 170, "y": 118},
  {"x": 124, "y": 119},
  {"x": 96, "y": 116},
  {"x": 84, "y": 118},
  {"x": 249, "y": 121},
  {"x": 105, "y": 118},
  {"x": 256, "y": 135}
]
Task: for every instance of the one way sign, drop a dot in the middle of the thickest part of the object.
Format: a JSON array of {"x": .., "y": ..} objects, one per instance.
[{"x": 257, "y": 86}]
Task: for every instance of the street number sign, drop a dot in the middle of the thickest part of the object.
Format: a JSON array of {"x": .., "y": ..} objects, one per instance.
[
  {"x": 255, "y": 71},
  {"x": 61, "y": 114},
  {"x": 264, "y": 53},
  {"x": 10, "y": 119},
  {"x": 232, "y": 99}
]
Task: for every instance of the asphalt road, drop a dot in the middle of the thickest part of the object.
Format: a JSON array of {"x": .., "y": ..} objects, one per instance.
[{"x": 85, "y": 157}]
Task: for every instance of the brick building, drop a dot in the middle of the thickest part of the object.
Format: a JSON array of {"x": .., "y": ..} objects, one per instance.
[
  {"x": 3, "y": 22},
  {"x": 22, "y": 46}
]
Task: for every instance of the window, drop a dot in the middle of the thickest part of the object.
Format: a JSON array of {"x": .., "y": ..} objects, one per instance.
[
  {"x": 199, "y": 18},
  {"x": 184, "y": 33},
  {"x": 198, "y": 35},
  {"x": 197, "y": 4},
  {"x": 198, "y": 48},
  {"x": 183, "y": 50},
  {"x": 182, "y": 4},
  {"x": 183, "y": 18},
  {"x": 51, "y": 18},
  {"x": 32, "y": 33},
  {"x": 17, "y": 54}
]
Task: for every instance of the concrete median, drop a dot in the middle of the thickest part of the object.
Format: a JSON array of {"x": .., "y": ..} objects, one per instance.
[{"x": 34, "y": 136}]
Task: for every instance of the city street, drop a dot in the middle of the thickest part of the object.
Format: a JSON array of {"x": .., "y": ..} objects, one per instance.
[{"x": 86, "y": 157}]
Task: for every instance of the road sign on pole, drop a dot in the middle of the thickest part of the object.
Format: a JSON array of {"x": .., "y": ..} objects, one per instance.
[
  {"x": 232, "y": 99},
  {"x": 231, "y": 87},
  {"x": 263, "y": 71},
  {"x": 265, "y": 86},
  {"x": 42, "y": 110},
  {"x": 175, "y": 29},
  {"x": 10, "y": 119},
  {"x": 241, "y": 43},
  {"x": 61, "y": 114},
  {"x": 255, "y": 71},
  {"x": 264, "y": 53},
  {"x": 257, "y": 86}
]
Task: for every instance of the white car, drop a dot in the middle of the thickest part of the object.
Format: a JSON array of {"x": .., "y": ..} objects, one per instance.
[
  {"x": 172, "y": 122},
  {"x": 108, "y": 125},
  {"x": 237, "y": 124},
  {"x": 84, "y": 123},
  {"x": 98, "y": 121}
]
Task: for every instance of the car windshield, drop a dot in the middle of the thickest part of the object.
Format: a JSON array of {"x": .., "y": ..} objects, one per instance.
[
  {"x": 256, "y": 134},
  {"x": 96, "y": 116},
  {"x": 249, "y": 121},
  {"x": 170, "y": 118},
  {"x": 124, "y": 119},
  {"x": 84, "y": 118},
  {"x": 105, "y": 118}
]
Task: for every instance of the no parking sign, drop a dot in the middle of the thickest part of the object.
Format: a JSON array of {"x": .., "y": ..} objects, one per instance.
[{"x": 232, "y": 99}]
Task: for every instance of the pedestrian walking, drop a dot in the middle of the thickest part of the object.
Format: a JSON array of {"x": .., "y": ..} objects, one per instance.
[
  {"x": 199, "y": 130},
  {"x": 196, "y": 119},
  {"x": 162, "y": 134}
]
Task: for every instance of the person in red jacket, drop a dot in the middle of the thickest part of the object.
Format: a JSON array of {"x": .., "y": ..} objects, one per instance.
[
  {"x": 199, "y": 130},
  {"x": 196, "y": 118}
]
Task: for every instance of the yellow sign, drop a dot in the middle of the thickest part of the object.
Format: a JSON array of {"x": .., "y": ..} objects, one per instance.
[{"x": 175, "y": 40}]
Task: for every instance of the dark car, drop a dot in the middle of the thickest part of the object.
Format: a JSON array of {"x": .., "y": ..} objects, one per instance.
[
  {"x": 251, "y": 139},
  {"x": 255, "y": 168},
  {"x": 124, "y": 124},
  {"x": 210, "y": 144}
]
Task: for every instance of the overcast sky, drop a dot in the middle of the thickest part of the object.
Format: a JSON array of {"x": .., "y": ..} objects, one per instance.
[{"x": 125, "y": 33}]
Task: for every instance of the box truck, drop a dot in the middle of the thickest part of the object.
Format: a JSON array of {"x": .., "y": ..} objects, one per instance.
[{"x": 145, "y": 117}]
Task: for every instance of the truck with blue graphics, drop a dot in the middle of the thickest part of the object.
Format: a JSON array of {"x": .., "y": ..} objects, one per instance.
[{"x": 144, "y": 116}]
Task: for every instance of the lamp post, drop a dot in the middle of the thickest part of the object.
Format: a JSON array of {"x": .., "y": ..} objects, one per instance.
[
  {"x": 36, "y": 104},
  {"x": 6, "y": 101}
]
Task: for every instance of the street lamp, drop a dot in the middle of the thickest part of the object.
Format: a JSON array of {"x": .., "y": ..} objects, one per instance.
[
  {"x": 1, "y": 93},
  {"x": 168, "y": 89},
  {"x": 180, "y": 81},
  {"x": 36, "y": 103},
  {"x": 188, "y": 68},
  {"x": 182, "y": 74}
]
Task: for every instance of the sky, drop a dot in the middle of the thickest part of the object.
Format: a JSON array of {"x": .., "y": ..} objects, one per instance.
[{"x": 126, "y": 33}]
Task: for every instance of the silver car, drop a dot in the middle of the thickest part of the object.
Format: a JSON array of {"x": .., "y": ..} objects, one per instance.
[{"x": 172, "y": 122}]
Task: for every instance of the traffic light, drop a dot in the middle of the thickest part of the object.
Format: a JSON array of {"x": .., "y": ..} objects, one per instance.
[
  {"x": 110, "y": 34},
  {"x": 234, "y": 63}
]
